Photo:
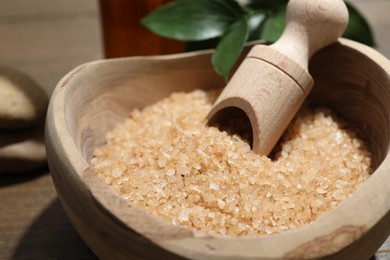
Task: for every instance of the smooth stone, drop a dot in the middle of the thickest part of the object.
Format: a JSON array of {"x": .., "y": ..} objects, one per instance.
[
  {"x": 22, "y": 150},
  {"x": 22, "y": 102}
]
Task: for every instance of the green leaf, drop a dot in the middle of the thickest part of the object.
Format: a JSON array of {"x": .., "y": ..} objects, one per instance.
[
  {"x": 358, "y": 28},
  {"x": 202, "y": 45},
  {"x": 193, "y": 20},
  {"x": 228, "y": 25},
  {"x": 266, "y": 4},
  {"x": 231, "y": 6},
  {"x": 274, "y": 25},
  {"x": 230, "y": 47},
  {"x": 255, "y": 21}
]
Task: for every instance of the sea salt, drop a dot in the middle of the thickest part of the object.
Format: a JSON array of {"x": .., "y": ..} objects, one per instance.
[{"x": 165, "y": 160}]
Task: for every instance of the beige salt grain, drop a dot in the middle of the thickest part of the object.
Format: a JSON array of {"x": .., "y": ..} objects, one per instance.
[{"x": 166, "y": 161}]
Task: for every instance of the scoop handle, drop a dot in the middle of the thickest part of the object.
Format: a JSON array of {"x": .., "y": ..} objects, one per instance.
[
  {"x": 273, "y": 81},
  {"x": 310, "y": 26}
]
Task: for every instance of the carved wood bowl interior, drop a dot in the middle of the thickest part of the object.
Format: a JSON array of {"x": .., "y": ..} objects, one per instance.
[{"x": 352, "y": 79}]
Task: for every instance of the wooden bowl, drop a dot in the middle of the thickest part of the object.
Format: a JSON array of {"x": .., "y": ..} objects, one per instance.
[{"x": 352, "y": 79}]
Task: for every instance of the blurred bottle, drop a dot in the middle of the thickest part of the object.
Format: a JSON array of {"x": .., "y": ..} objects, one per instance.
[{"x": 123, "y": 35}]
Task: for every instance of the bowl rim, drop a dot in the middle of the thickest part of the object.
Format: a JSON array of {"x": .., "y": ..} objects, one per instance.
[{"x": 368, "y": 203}]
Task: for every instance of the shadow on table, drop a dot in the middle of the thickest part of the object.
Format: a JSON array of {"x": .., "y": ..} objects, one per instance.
[
  {"x": 13, "y": 178},
  {"x": 52, "y": 236}
]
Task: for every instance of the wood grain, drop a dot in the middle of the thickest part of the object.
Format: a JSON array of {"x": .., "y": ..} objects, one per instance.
[
  {"x": 32, "y": 221},
  {"x": 78, "y": 119},
  {"x": 46, "y": 39}
]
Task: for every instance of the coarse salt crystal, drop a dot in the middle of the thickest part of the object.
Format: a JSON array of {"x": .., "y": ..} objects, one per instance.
[
  {"x": 321, "y": 191},
  {"x": 252, "y": 180},
  {"x": 158, "y": 189},
  {"x": 339, "y": 137},
  {"x": 116, "y": 172},
  {"x": 171, "y": 172},
  {"x": 221, "y": 203},
  {"x": 213, "y": 186},
  {"x": 202, "y": 153},
  {"x": 161, "y": 163},
  {"x": 184, "y": 215}
]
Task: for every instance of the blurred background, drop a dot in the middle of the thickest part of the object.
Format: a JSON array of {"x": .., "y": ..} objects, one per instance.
[{"x": 46, "y": 39}]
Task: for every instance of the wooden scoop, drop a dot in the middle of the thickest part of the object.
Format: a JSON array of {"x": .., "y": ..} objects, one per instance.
[{"x": 273, "y": 81}]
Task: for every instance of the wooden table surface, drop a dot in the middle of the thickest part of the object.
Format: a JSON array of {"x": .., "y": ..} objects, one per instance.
[{"x": 46, "y": 39}]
